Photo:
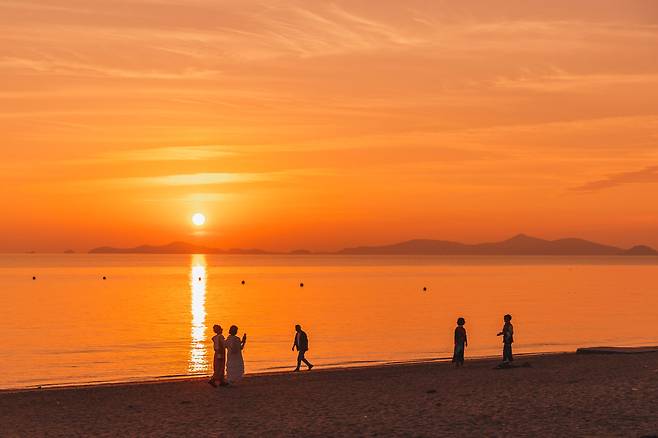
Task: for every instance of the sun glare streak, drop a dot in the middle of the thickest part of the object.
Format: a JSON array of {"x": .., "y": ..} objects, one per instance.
[{"x": 198, "y": 355}]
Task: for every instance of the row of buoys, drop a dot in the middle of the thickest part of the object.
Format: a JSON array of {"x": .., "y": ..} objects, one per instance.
[
  {"x": 34, "y": 278},
  {"x": 300, "y": 284},
  {"x": 242, "y": 282}
]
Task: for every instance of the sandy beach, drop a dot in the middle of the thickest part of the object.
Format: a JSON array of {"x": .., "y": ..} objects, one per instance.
[{"x": 558, "y": 395}]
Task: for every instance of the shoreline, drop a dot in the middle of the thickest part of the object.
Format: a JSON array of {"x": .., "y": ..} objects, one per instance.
[
  {"x": 355, "y": 365},
  {"x": 564, "y": 394},
  {"x": 364, "y": 364}
]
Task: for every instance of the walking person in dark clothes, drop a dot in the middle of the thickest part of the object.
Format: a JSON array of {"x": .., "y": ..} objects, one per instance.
[{"x": 301, "y": 344}]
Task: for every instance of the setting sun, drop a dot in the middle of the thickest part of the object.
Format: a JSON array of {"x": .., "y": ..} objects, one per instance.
[{"x": 198, "y": 219}]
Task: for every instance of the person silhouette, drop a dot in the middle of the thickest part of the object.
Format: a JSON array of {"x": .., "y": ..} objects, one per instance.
[
  {"x": 301, "y": 343},
  {"x": 234, "y": 359},
  {"x": 219, "y": 359},
  {"x": 460, "y": 343},
  {"x": 508, "y": 338}
]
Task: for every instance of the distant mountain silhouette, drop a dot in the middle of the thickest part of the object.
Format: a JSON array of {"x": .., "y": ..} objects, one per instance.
[
  {"x": 247, "y": 251},
  {"x": 517, "y": 245},
  {"x": 641, "y": 250},
  {"x": 300, "y": 252},
  {"x": 174, "y": 248}
]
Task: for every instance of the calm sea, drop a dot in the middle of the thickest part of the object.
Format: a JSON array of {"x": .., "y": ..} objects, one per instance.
[{"x": 153, "y": 314}]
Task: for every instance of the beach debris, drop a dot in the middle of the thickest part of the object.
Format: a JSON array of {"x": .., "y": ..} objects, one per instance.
[
  {"x": 185, "y": 402},
  {"x": 424, "y": 289},
  {"x": 504, "y": 366},
  {"x": 301, "y": 284},
  {"x": 34, "y": 278},
  {"x": 430, "y": 391},
  {"x": 104, "y": 277},
  {"x": 509, "y": 365},
  {"x": 243, "y": 282},
  {"x": 199, "y": 278}
]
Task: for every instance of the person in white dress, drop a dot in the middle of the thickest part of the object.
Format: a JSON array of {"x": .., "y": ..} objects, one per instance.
[{"x": 234, "y": 360}]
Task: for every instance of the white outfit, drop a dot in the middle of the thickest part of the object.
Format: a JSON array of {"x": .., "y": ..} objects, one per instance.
[{"x": 234, "y": 360}]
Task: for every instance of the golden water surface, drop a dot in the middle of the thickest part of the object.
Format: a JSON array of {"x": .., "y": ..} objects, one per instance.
[{"x": 153, "y": 315}]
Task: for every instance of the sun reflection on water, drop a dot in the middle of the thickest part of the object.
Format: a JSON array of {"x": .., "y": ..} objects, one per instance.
[{"x": 198, "y": 355}]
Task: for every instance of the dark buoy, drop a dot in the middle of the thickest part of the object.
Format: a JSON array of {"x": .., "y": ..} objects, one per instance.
[
  {"x": 199, "y": 278},
  {"x": 424, "y": 289},
  {"x": 301, "y": 284},
  {"x": 34, "y": 278},
  {"x": 243, "y": 281},
  {"x": 104, "y": 277}
]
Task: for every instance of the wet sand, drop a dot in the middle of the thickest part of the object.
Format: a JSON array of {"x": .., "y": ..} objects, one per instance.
[{"x": 559, "y": 395}]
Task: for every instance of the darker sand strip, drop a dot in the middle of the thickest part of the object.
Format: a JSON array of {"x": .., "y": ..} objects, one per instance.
[
  {"x": 617, "y": 350},
  {"x": 559, "y": 395}
]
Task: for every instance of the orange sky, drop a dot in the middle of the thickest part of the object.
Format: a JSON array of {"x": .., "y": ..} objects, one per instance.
[{"x": 321, "y": 124}]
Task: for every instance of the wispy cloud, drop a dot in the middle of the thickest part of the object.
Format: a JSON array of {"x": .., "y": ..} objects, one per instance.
[
  {"x": 192, "y": 198},
  {"x": 195, "y": 179},
  {"x": 32, "y": 6},
  {"x": 644, "y": 176},
  {"x": 79, "y": 69},
  {"x": 562, "y": 81},
  {"x": 172, "y": 153}
]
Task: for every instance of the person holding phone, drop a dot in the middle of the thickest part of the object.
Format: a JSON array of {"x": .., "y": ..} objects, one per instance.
[
  {"x": 234, "y": 359},
  {"x": 508, "y": 339}
]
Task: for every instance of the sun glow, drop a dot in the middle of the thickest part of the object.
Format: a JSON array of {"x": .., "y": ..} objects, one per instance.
[{"x": 198, "y": 219}]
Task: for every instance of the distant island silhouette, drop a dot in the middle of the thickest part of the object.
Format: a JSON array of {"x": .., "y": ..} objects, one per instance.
[
  {"x": 175, "y": 248},
  {"x": 515, "y": 246}
]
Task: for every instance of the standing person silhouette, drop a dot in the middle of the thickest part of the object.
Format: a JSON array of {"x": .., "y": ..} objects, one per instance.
[
  {"x": 234, "y": 359},
  {"x": 301, "y": 343},
  {"x": 508, "y": 338},
  {"x": 219, "y": 359},
  {"x": 460, "y": 343}
]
